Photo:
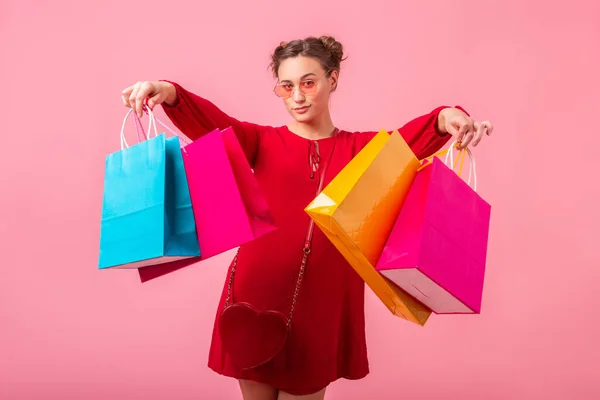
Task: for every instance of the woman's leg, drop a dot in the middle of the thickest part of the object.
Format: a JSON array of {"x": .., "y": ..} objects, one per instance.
[
  {"x": 252, "y": 390},
  {"x": 320, "y": 395}
]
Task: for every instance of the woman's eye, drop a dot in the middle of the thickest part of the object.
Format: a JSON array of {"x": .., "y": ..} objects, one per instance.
[
  {"x": 309, "y": 83},
  {"x": 288, "y": 87}
]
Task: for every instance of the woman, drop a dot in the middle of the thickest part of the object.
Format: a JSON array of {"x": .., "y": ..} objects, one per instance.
[{"x": 327, "y": 332}]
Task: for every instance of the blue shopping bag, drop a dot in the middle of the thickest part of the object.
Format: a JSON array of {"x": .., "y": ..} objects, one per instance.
[{"x": 147, "y": 216}]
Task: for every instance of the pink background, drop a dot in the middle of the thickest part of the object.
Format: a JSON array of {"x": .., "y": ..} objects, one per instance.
[{"x": 70, "y": 331}]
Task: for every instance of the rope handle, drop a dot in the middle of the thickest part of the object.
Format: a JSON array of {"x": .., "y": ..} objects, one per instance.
[{"x": 451, "y": 162}]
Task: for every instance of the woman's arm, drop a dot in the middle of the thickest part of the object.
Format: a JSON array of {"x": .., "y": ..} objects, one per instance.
[
  {"x": 425, "y": 134},
  {"x": 195, "y": 116}
]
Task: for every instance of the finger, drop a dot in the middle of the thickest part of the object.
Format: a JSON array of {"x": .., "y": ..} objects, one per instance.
[
  {"x": 452, "y": 129},
  {"x": 467, "y": 139},
  {"x": 125, "y": 96},
  {"x": 462, "y": 132},
  {"x": 141, "y": 96},
  {"x": 479, "y": 130},
  {"x": 133, "y": 94},
  {"x": 155, "y": 100},
  {"x": 488, "y": 127},
  {"x": 468, "y": 135}
]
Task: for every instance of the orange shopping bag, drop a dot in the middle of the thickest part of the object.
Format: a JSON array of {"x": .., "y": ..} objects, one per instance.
[{"x": 357, "y": 211}]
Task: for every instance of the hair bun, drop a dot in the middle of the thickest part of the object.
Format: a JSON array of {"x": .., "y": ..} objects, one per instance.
[
  {"x": 335, "y": 48},
  {"x": 325, "y": 49}
]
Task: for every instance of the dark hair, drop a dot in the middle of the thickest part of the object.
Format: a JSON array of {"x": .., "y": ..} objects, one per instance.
[{"x": 325, "y": 49}]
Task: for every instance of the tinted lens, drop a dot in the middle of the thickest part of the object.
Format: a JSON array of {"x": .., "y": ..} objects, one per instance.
[
  {"x": 283, "y": 91},
  {"x": 308, "y": 87}
]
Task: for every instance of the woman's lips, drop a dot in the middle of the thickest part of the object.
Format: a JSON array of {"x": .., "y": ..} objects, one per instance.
[{"x": 301, "y": 110}]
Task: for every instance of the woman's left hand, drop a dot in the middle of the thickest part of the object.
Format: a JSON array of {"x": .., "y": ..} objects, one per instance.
[{"x": 465, "y": 130}]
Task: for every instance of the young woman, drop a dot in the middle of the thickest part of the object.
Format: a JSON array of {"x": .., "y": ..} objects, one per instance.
[{"x": 296, "y": 267}]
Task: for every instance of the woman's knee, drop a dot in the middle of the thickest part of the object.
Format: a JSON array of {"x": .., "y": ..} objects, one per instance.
[
  {"x": 320, "y": 395},
  {"x": 252, "y": 390}
]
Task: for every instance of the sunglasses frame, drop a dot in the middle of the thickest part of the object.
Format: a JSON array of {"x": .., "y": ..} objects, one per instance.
[{"x": 327, "y": 75}]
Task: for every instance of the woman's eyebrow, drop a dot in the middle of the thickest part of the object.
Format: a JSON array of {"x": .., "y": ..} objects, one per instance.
[{"x": 303, "y": 76}]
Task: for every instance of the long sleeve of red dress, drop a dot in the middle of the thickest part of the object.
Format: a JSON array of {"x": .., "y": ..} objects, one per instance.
[{"x": 327, "y": 339}]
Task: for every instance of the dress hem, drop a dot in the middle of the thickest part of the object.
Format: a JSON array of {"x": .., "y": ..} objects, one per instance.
[{"x": 293, "y": 391}]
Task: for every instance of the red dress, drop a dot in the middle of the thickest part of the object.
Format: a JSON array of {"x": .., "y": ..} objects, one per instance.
[{"x": 327, "y": 339}]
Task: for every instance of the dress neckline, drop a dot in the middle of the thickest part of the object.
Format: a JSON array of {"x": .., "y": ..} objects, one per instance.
[{"x": 337, "y": 132}]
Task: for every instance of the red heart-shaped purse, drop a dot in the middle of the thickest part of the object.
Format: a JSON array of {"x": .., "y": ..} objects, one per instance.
[{"x": 251, "y": 337}]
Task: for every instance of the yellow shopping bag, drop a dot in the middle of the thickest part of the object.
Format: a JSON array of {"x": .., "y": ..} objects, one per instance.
[{"x": 357, "y": 211}]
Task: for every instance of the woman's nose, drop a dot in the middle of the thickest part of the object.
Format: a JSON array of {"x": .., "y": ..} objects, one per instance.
[{"x": 298, "y": 96}]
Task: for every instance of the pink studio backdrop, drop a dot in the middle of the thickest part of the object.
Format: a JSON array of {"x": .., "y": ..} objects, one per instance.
[{"x": 71, "y": 331}]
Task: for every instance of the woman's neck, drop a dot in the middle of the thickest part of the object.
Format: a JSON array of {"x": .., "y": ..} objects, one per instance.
[{"x": 319, "y": 128}]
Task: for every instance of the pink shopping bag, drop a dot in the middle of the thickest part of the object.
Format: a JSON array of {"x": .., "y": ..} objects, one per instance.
[
  {"x": 437, "y": 248},
  {"x": 229, "y": 208}
]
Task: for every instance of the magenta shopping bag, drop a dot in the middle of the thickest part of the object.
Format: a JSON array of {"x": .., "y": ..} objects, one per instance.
[
  {"x": 229, "y": 208},
  {"x": 437, "y": 248}
]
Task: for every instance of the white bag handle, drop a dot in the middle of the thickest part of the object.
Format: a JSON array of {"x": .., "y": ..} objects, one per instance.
[
  {"x": 472, "y": 167},
  {"x": 151, "y": 123},
  {"x": 181, "y": 136}
]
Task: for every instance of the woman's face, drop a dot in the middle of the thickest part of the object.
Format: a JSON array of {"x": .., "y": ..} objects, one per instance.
[{"x": 304, "y": 87}]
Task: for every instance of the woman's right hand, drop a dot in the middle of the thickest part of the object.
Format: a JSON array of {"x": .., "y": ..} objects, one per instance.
[{"x": 154, "y": 92}]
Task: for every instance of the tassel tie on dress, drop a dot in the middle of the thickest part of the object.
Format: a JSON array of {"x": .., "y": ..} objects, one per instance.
[{"x": 314, "y": 157}]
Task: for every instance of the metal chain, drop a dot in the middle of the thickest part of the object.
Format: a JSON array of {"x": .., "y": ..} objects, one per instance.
[
  {"x": 230, "y": 284},
  {"x": 296, "y": 290},
  {"x": 298, "y": 282}
]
